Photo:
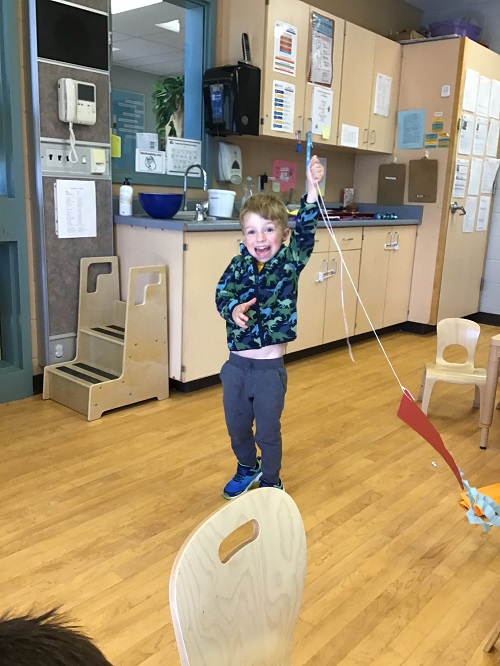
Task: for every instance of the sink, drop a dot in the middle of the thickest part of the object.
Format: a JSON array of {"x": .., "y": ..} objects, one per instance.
[{"x": 189, "y": 216}]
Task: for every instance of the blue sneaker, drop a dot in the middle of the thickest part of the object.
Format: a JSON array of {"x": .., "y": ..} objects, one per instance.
[
  {"x": 242, "y": 480},
  {"x": 265, "y": 484}
]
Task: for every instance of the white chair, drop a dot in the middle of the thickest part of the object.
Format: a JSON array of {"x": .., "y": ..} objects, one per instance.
[
  {"x": 243, "y": 610},
  {"x": 461, "y": 332}
]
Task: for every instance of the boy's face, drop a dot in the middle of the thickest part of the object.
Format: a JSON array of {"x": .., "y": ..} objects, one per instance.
[{"x": 261, "y": 237}]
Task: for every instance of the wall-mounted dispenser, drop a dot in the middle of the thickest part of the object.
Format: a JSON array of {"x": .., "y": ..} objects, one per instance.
[
  {"x": 231, "y": 96},
  {"x": 229, "y": 163}
]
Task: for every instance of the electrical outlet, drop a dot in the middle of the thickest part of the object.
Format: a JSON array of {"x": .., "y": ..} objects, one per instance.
[{"x": 62, "y": 348}]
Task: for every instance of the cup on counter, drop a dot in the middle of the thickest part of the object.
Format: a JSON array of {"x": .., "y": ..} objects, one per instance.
[{"x": 221, "y": 203}]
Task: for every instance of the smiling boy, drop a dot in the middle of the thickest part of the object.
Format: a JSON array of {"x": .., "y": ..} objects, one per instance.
[{"x": 257, "y": 297}]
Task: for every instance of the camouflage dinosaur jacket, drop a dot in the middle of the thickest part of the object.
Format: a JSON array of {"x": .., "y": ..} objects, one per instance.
[{"x": 273, "y": 318}]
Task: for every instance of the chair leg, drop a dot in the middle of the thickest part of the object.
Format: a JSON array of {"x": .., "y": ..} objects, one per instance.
[
  {"x": 429, "y": 385},
  {"x": 422, "y": 384},
  {"x": 477, "y": 396}
]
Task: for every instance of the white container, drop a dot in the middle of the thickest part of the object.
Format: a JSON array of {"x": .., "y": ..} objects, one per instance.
[
  {"x": 126, "y": 196},
  {"x": 221, "y": 203}
]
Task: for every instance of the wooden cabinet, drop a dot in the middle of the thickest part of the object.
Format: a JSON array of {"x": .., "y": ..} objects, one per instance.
[
  {"x": 385, "y": 276},
  {"x": 366, "y": 55},
  {"x": 204, "y": 343},
  {"x": 298, "y": 15},
  {"x": 320, "y": 314}
]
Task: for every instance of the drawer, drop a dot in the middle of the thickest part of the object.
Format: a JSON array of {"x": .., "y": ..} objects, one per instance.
[
  {"x": 347, "y": 238},
  {"x": 321, "y": 240}
]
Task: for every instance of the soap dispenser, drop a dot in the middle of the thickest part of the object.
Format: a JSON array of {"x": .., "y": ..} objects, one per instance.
[{"x": 126, "y": 197}]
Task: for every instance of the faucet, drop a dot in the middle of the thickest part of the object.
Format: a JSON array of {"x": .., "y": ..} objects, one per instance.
[{"x": 193, "y": 166}]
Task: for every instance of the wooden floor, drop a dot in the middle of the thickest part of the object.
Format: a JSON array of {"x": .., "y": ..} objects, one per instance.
[{"x": 94, "y": 513}]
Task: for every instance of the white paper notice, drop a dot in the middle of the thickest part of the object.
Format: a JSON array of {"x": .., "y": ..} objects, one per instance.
[
  {"x": 75, "y": 208},
  {"x": 349, "y": 136},
  {"x": 480, "y": 134},
  {"x": 483, "y": 96},
  {"x": 492, "y": 140},
  {"x": 460, "y": 180},
  {"x": 150, "y": 161},
  {"x": 483, "y": 215},
  {"x": 470, "y": 90},
  {"x": 283, "y": 110},
  {"x": 495, "y": 100},
  {"x": 470, "y": 215},
  {"x": 489, "y": 174},
  {"x": 466, "y": 136},
  {"x": 321, "y": 113},
  {"x": 321, "y": 49},
  {"x": 383, "y": 87},
  {"x": 476, "y": 169},
  {"x": 181, "y": 153},
  {"x": 285, "y": 48}
]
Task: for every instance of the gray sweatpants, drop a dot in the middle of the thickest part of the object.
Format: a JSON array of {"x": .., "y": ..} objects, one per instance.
[{"x": 254, "y": 390}]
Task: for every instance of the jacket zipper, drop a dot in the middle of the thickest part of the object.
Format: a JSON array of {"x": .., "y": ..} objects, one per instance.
[{"x": 259, "y": 321}]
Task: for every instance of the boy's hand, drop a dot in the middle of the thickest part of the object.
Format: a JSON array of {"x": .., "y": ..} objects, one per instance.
[
  {"x": 315, "y": 173},
  {"x": 239, "y": 316}
]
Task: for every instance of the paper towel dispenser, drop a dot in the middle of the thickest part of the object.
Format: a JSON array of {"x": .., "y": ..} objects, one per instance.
[{"x": 231, "y": 96}]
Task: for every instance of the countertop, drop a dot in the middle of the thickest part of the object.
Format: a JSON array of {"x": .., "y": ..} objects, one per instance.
[{"x": 407, "y": 215}]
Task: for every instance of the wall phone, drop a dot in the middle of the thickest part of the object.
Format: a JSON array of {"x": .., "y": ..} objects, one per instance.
[{"x": 77, "y": 102}]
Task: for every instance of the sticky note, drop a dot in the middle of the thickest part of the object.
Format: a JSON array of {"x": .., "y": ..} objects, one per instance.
[
  {"x": 116, "y": 145},
  {"x": 325, "y": 133},
  {"x": 276, "y": 186}
]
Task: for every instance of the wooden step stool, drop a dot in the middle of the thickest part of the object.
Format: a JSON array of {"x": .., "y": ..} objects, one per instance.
[{"x": 122, "y": 346}]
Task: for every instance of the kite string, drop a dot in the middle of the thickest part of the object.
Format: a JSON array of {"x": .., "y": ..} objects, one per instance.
[{"x": 343, "y": 266}]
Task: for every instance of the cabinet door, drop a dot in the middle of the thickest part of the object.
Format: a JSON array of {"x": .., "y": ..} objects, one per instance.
[
  {"x": 334, "y": 328},
  {"x": 388, "y": 62},
  {"x": 296, "y": 14},
  {"x": 204, "y": 343},
  {"x": 330, "y": 138},
  {"x": 357, "y": 80},
  {"x": 373, "y": 272},
  {"x": 310, "y": 305},
  {"x": 399, "y": 275}
]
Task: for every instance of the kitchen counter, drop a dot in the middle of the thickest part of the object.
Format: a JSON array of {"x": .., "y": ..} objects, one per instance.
[{"x": 406, "y": 215}]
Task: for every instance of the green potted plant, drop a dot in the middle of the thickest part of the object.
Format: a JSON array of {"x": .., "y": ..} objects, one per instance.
[{"x": 168, "y": 105}]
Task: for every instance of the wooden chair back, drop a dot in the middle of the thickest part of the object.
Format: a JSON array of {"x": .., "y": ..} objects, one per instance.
[
  {"x": 456, "y": 331},
  {"x": 243, "y": 609}
]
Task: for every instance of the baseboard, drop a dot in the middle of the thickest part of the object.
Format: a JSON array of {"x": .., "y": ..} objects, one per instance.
[
  {"x": 37, "y": 384},
  {"x": 485, "y": 318},
  {"x": 418, "y": 329}
]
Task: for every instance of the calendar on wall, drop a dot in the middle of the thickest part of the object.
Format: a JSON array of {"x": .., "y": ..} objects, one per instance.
[{"x": 181, "y": 153}]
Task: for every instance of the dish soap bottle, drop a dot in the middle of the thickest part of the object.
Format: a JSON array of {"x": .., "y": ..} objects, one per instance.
[
  {"x": 126, "y": 196},
  {"x": 247, "y": 189}
]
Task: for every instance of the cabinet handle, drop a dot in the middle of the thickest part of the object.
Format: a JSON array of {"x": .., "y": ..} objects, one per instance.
[
  {"x": 365, "y": 135},
  {"x": 388, "y": 243},
  {"x": 348, "y": 239},
  {"x": 395, "y": 245},
  {"x": 373, "y": 137}
]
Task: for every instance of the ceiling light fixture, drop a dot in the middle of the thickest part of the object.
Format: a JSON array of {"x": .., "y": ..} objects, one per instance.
[
  {"x": 119, "y": 6},
  {"x": 174, "y": 26}
]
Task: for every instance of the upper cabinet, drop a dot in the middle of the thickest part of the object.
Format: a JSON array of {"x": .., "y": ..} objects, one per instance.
[
  {"x": 289, "y": 99},
  {"x": 370, "y": 89},
  {"x": 285, "y": 68}
]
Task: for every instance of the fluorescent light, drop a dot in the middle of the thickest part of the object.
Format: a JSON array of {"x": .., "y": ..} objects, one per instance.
[
  {"x": 115, "y": 48},
  {"x": 119, "y": 6},
  {"x": 174, "y": 26}
]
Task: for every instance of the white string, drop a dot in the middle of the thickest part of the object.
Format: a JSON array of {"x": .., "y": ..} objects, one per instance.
[
  {"x": 73, "y": 156},
  {"x": 324, "y": 215}
]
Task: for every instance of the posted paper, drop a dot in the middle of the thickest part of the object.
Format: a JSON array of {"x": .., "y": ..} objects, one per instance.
[
  {"x": 492, "y": 140},
  {"x": 285, "y": 48},
  {"x": 349, "y": 136},
  {"x": 411, "y": 129},
  {"x": 483, "y": 96},
  {"x": 460, "y": 180},
  {"x": 476, "y": 169},
  {"x": 489, "y": 174},
  {"x": 75, "y": 208},
  {"x": 382, "y": 103},
  {"x": 469, "y": 218},
  {"x": 466, "y": 136},
  {"x": 480, "y": 134},
  {"x": 495, "y": 100},
  {"x": 150, "y": 161},
  {"x": 321, "y": 114},
  {"x": 283, "y": 110},
  {"x": 181, "y": 153},
  {"x": 483, "y": 214},
  {"x": 470, "y": 90},
  {"x": 321, "y": 68}
]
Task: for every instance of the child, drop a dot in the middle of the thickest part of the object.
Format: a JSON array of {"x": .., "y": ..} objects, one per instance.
[{"x": 257, "y": 297}]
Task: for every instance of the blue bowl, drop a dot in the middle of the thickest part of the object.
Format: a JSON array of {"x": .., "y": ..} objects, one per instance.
[{"x": 160, "y": 206}]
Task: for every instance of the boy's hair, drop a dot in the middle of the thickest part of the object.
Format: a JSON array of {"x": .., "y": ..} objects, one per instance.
[
  {"x": 267, "y": 206},
  {"x": 50, "y": 639}
]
